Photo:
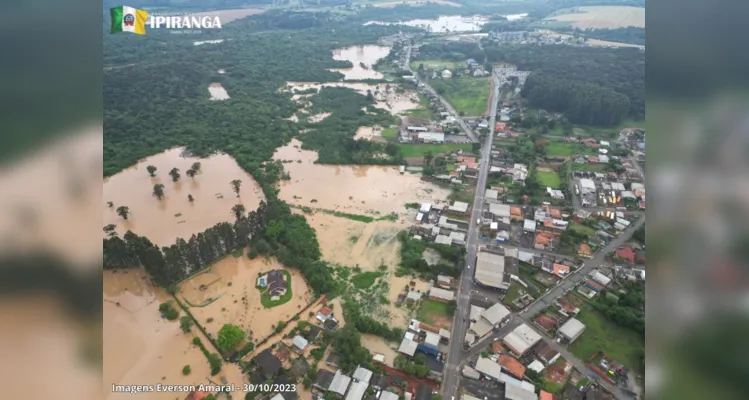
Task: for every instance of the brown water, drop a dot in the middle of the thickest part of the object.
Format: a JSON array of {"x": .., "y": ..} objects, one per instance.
[
  {"x": 231, "y": 282},
  {"x": 353, "y": 189},
  {"x": 400, "y": 316},
  {"x": 386, "y": 99},
  {"x": 367, "y": 54},
  {"x": 174, "y": 216},
  {"x": 378, "y": 345},
  {"x": 218, "y": 92}
]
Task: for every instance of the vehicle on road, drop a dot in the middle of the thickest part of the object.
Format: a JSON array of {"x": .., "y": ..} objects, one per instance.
[{"x": 469, "y": 266}]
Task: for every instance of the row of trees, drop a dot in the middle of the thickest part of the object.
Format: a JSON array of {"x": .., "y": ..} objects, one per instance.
[
  {"x": 412, "y": 256},
  {"x": 581, "y": 103},
  {"x": 455, "y": 51},
  {"x": 626, "y": 310},
  {"x": 630, "y": 34}
]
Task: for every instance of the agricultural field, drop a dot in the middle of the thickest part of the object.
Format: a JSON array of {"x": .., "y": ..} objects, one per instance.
[
  {"x": 559, "y": 149},
  {"x": 418, "y": 150},
  {"x": 623, "y": 345},
  {"x": 467, "y": 95},
  {"x": 548, "y": 178},
  {"x": 599, "y": 17}
]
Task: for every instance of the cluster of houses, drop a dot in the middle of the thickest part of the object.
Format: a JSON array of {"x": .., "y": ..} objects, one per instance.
[
  {"x": 534, "y": 37},
  {"x": 472, "y": 68},
  {"x": 596, "y": 188},
  {"x": 437, "y": 224},
  {"x": 330, "y": 384}
]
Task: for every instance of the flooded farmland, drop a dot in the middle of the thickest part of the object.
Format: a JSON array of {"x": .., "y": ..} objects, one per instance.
[
  {"x": 217, "y": 92},
  {"x": 225, "y": 293},
  {"x": 363, "y": 58},
  {"x": 163, "y": 221},
  {"x": 354, "y": 189}
]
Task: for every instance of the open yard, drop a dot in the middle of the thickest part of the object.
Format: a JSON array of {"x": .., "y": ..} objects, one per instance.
[
  {"x": 438, "y": 65},
  {"x": 623, "y": 345},
  {"x": 435, "y": 313},
  {"x": 418, "y": 150},
  {"x": 548, "y": 178},
  {"x": 600, "y": 17},
  {"x": 559, "y": 149},
  {"x": 390, "y": 133},
  {"x": 585, "y": 230},
  {"x": 467, "y": 95},
  {"x": 556, "y": 376},
  {"x": 267, "y": 301},
  {"x": 587, "y": 167}
]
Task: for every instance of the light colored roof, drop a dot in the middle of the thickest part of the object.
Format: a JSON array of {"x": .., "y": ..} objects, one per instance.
[
  {"x": 628, "y": 194},
  {"x": 413, "y": 295},
  {"x": 433, "y": 136},
  {"x": 496, "y": 313},
  {"x": 490, "y": 269},
  {"x": 277, "y": 397},
  {"x": 300, "y": 342},
  {"x": 356, "y": 391},
  {"x": 407, "y": 347},
  {"x": 488, "y": 367},
  {"x": 586, "y": 183},
  {"x": 469, "y": 397},
  {"x": 537, "y": 366},
  {"x": 493, "y": 226},
  {"x": 443, "y": 239},
  {"x": 385, "y": 395},
  {"x": 637, "y": 186},
  {"x": 491, "y": 194},
  {"x": 476, "y": 311},
  {"x": 519, "y": 392},
  {"x": 604, "y": 143},
  {"x": 458, "y": 236},
  {"x": 481, "y": 327},
  {"x": 617, "y": 186},
  {"x": 470, "y": 372},
  {"x": 500, "y": 210},
  {"x": 432, "y": 339},
  {"x": 379, "y": 357},
  {"x": 600, "y": 278},
  {"x": 522, "y": 338},
  {"x": 362, "y": 374},
  {"x": 442, "y": 293},
  {"x": 425, "y": 207},
  {"x": 444, "y": 279},
  {"x": 340, "y": 383},
  {"x": 459, "y": 206},
  {"x": 445, "y": 333},
  {"x": 419, "y": 216},
  {"x": 572, "y": 328}
]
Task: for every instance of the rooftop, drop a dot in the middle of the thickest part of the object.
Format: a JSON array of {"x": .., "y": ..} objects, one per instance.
[
  {"x": 459, "y": 206},
  {"x": 300, "y": 342},
  {"x": 443, "y": 294},
  {"x": 324, "y": 378},
  {"x": 490, "y": 269},
  {"x": 521, "y": 339},
  {"x": 572, "y": 328},
  {"x": 340, "y": 383},
  {"x": 362, "y": 374},
  {"x": 388, "y": 396},
  {"x": 267, "y": 362},
  {"x": 356, "y": 391},
  {"x": 407, "y": 347},
  {"x": 496, "y": 313},
  {"x": 511, "y": 365},
  {"x": 488, "y": 367}
]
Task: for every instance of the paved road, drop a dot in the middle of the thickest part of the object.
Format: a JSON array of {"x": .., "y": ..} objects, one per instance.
[
  {"x": 460, "y": 325},
  {"x": 466, "y": 129}
]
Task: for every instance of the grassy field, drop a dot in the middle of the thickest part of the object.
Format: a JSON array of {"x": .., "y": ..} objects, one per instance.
[
  {"x": 512, "y": 293},
  {"x": 431, "y": 312},
  {"x": 425, "y": 112},
  {"x": 436, "y": 64},
  {"x": 265, "y": 298},
  {"x": 585, "y": 230},
  {"x": 599, "y": 132},
  {"x": 550, "y": 179},
  {"x": 604, "y": 17},
  {"x": 587, "y": 167},
  {"x": 418, "y": 150},
  {"x": 365, "y": 279},
  {"x": 559, "y": 149},
  {"x": 624, "y": 345},
  {"x": 390, "y": 133},
  {"x": 467, "y": 95}
]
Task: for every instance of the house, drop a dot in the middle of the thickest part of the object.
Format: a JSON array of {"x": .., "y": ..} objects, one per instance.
[
  {"x": 544, "y": 240},
  {"x": 299, "y": 343},
  {"x": 519, "y": 172},
  {"x": 388, "y": 396},
  {"x": 444, "y": 281},
  {"x": 625, "y": 254},
  {"x": 333, "y": 359},
  {"x": 571, "y": 330},
  {"x": 516, "y": 214},
  {"x": 512, "y": 366},
  {"x": 324, "y": 314},
  {"x": 584, "y": 250},
  {"x": 313, "y": 333},
  {"x": 544, "y": 395},
  {"x": 379, "y": 381},
  {"x": 590, "y": 142},
  {"x": 267, "y": 362},
  {"x": 362, "y": 375},
  {"x": 521, "y": 339},
  {"x": 441, "y": 295},
  {"x": 529, "y": 225},
  {"x": 431, "y": 137},
  {"x": 561, "y": 270},
  {"x": 408, "y": 346},
  {"x": 600, "y": 278},
  {"x": 491, "y": 194},
  {"x": 545, "y": 353},
  {"x": 274, "y": 282},
  {"x": 501, "y": 211},
  {"x": 520, "y": 392},
  {"x": 459, "y": 207},
  {"x": 413, "y": 296},
  {"x": 299, "y": 368},
  {"x": 536, "y": 366},
  {"x": 357, "y": 390},
  {"x": 340, "y": 383},
  {"x": 446, "y": 74}
]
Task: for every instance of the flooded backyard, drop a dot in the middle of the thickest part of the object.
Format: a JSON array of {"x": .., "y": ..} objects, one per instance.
[
  {"x": 217, "y": 92},
  {"x": 163, "y": 221},
  {"x": 363, "y": 58},
  {"x": 354, "y": 189}
]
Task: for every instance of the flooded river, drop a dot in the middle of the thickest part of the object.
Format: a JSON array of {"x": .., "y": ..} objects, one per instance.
[
  {"x": 174, "y": 216},
  {"x": 367, "y": 55}
]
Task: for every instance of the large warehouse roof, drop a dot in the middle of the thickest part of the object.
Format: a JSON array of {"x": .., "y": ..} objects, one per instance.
[
  {"x": 490, "y": 269},
  {"x": 496, "y": 313},
  {"x": 521, "y": 339},
  {"x": 488, "y": 368},
  {"x": 500, "y": 210},
  {"x": 572, "y": 328}
]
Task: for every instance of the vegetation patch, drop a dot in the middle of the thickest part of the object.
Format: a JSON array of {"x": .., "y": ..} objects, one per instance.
[
  {"x": 390, "y": 133},
  {"x": 365, "y": 279},
  {"x": 433, "y": 312},
  {"x": 546, "y": 178},
  {"x": 587, "y": 167},
  {"x": 354, "y": 217},
  {"x": 467, "y": 95},
  {"x": 582, "y": 229},
  {"x": 419, "y": 150},
  {"x": 559, "y": 149},
  {"x": 265, "y": 297}
]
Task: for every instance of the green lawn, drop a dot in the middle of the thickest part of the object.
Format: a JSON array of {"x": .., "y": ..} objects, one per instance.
[
  {"x": 585, "y": 230},
  {"x": 430, "y": 308},
  {"x": 550, "y": 179},
  {"x": 424, "y": 112},
  {"x": 512, "y": 293},
  {"x": 265, "y": 299},
  {"x": 418, "y": 150},
  {"x": 436, "y": 64},
  {"x": 365, "y": 279},
  {"x": 587, "y": 167},
  {"x": 467, "y": 95},
  {"x": 390, "y": 133},
  {"x": 623, "y": 345},
  {"x": 559, "y": 149}
]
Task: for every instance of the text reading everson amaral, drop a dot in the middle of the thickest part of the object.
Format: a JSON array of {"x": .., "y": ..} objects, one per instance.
[{"x": 172, "y": 388}]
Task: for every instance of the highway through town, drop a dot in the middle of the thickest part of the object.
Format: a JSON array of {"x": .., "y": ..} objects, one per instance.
[
  {"x": 460, "y": 324},
  {"x": 466, "y": 129}
]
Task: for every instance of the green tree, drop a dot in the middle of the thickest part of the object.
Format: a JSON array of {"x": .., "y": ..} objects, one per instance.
[
  {"x": 151, "y": 170},
  {"x": 190, "y": 198},
  {"x": 172, "y": 314},
  {"x": 110, "y": 230},
  {"x": 174, "y": 173},
  {"x": 123, "y": 211},
  {"x": 186, "y": 370},
  {"x": 428, "y": 157},
  {"x": 191, "y": 173},
  {"x": 229, "y": 337},
  {"x": 214, "y": 360},
  {"x": 185, "y": 323},
  {"x": 110, "y": 204},
  {"x": 158, "y": 191},
  {"x": 238, "y": 211},
  {"x": 196, "y": 166},
  {"x": 236, "y": 184}
]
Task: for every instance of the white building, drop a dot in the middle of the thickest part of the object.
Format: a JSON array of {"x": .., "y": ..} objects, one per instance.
[
  {"x": 488, "y": 368},
  {"x": 529, "y": 225},
  {"x": 520, "y": 340},
  {"x": 459, "y": 207},
  {"x": 491, "y": 194},
  {"x": 408, "y": 347},
  {"x": 385, "y": 395},
  {"x": 431, "y": 137},
  {"x": 340, "y": 383},
  {"x": 356, "y": 391},
  {"x": 362, "y": 375},
  {"x": 519, "y": 172},
  {"x": 490, "y": 269},
  {"x": 441, "y": 294},
  {"x": 446, "y": 74},
  {"x": 300, "y": 343},
  {"x": 500, "y": 210},
  {"x": 571, "y": 330},
  {"x": 604, "y": 143},
  {"x": 425, "y": 208},
  {"x": 587, "y": 185}
]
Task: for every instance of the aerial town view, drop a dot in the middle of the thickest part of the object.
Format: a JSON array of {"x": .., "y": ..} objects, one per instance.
[{"x": 362, "y": 200}]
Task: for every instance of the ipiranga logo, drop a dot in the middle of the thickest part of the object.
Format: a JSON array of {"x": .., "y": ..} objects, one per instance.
[{"x": 129, "y": 19}]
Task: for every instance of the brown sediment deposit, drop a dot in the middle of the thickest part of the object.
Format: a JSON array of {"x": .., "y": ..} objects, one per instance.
[
  {"x": 226, "y": 293},
  {"x": 400, "y": 315},
  {"x": 355, "y": 189},
  {"x": 378, "y": 345},
  {"x": 163, "y": 221}
]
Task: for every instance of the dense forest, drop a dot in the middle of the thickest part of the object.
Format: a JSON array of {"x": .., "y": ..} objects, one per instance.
[
  {"x": 619, "y": 69},
  {"x": 629, "y": 34},
  {"x": 582, "y": 103},
  {"x": 454, "y": 51}
]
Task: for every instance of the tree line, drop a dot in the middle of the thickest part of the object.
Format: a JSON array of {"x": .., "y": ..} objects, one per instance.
[
  {"x": 454, "y": 51},
  {"x": 581, "y": 102},
  {"x": 630, "y": 34}
]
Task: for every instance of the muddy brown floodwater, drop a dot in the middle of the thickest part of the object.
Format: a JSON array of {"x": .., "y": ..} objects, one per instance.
[
  {"x": 163, "y": 221},
  {"x": 367, "y": 55},
  {"x": 140, "y": 347},
  {"x": 386, "y": 95}
]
